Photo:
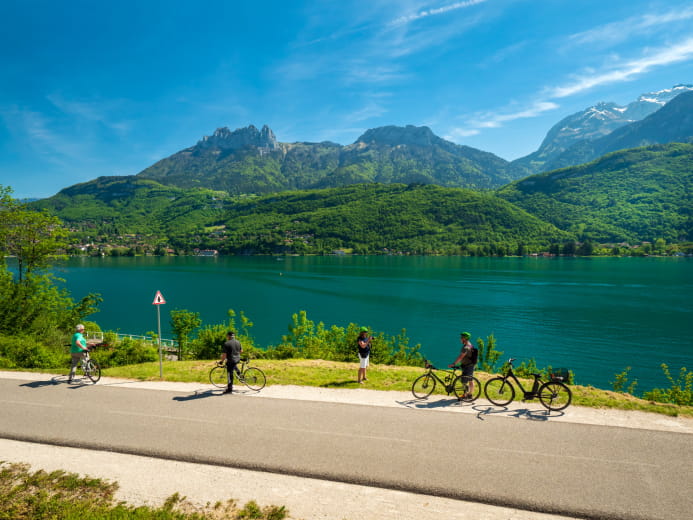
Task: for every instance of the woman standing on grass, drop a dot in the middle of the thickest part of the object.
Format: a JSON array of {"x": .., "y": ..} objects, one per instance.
[{"x": 364, "y": 345}]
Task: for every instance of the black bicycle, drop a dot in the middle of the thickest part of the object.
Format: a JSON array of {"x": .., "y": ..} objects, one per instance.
[
  {"x": 553, "y": 394},
  {"x": 425, "y": 384},
  {"x": 252, "y": 377}
]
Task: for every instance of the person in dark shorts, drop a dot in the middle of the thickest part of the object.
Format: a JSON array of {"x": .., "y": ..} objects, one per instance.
[
  {"x": 232, "y": 355},
  {"x": 466, "y": 360}
]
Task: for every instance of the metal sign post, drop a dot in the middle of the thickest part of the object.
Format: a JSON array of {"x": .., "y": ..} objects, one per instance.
[{"x": 159, "y": 301}]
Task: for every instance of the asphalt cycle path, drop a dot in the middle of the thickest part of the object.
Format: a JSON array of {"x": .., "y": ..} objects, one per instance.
[{"x": 582, "y": 470}]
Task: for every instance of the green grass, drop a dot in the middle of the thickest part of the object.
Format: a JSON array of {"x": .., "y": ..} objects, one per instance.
[
  {"x": 333, "y": 374},
  {"x": 67, "y": 496}
]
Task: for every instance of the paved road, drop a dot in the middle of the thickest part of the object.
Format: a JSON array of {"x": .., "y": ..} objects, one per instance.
[{"x": 582, "y": 470}]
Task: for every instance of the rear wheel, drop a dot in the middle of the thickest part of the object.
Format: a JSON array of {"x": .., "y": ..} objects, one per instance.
[
  {"x": 555, "y": 396},
  {"x": 423, "y": 386},
  {"x": 467, "y": 388},
  {"x": 218, "y": 377},
  {"x": 254, "y": 378},
  {"x": 93, "y": 371},
  {"x": 499, "y": 391}
]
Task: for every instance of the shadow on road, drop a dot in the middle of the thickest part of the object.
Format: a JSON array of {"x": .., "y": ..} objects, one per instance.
[
  {"x": 197, "y": 395},
  {"x": 429, "y": 405},
  {"x": 57, "y": 380},
  {"x": 520, "y": 413}
]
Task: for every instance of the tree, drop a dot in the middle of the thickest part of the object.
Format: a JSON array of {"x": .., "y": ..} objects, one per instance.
[
  {"x": 183, "y": 323},
  {"x": 33, "y": 237}
]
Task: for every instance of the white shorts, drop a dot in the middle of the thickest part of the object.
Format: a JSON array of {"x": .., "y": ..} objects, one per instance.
[{"x": 364, "y": 362}]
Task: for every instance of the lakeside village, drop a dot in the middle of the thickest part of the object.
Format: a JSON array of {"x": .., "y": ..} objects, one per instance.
[{"x": 298, "y": 244}]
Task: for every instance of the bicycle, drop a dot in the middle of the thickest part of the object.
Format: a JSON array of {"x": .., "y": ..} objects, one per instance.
[
  {"x": 424, "y": 385},
  {"x": 553, "y": 394},
  {"x": 89, "y": 367},
  {"x": 252, "y": 377}
]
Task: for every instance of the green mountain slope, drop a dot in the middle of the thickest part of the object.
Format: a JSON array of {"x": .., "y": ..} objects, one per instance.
[
  {"x": 367, "y": 218},
  {"x": 377, "y": 217},
  {"x": 631, "y": 195},
  {"x": 119, "y": 205}
]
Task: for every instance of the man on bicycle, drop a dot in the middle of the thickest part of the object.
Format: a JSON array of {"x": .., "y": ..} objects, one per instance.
[
  {"x": 467, "y": 359},
  {"x": 78, "y": 347},
  {"x": 232, "y": 355}
]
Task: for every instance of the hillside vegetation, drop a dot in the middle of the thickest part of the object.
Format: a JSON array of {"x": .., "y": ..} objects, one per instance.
[{"x": 631, "y": 195}]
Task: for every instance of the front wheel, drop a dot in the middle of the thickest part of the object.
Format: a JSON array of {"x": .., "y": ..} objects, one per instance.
[
  {"x": 254, "y": 378},
  {"x": 93, "y": 371},
  {"x": 423, "y": 386},
  {"x": 499, "y": 391},
  {"x": 218, "y": 377},
  {"x": 467, "y": 388},
  {"x": 555, "y": 396}
]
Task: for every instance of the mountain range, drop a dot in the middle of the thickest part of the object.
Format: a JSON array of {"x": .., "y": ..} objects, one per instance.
[
  {"x": 249, "y": 160},
  {"x": 252, "y": 161},
  {"x": 609, "y": 189},
  {"x": 594, "y": 123}
]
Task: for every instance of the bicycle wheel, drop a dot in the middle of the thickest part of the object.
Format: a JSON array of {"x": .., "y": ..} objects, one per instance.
[
  {"x": 93, "y": 371},
  {"x": 555, "y": 396},
  {"x": 218, "y": 377},
  {"x": 462, "y": 385},
  {"x": 423, "y": 386},
  {"x": 254, "y": 378},
  {"x": 499, "y": 391}
]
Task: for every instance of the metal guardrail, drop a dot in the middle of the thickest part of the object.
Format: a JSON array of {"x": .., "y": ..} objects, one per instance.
[{"x": 167, "y": 344}]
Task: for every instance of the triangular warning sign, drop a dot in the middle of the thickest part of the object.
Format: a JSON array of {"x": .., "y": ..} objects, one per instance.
[{"x": 158, "y": 299}]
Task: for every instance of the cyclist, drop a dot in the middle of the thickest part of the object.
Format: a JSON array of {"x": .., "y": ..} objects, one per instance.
[
  {"x": 232, "y": 355},
  {"x": 78, "y": 347},
  {"x": 467, "y": 359}
]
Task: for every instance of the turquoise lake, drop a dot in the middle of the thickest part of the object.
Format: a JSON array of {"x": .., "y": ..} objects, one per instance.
[{"x": 595, "y": 316}]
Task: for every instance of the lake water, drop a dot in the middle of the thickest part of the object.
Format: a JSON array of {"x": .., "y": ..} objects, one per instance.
[{"x": 595, "y": 316}]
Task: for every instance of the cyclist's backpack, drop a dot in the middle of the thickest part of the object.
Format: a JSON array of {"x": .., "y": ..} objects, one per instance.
[{"x": 474, "y": 355}]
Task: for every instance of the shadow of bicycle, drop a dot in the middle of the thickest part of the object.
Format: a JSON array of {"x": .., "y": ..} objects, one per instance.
[
  {"x": 540, "y": 414},
  {"x": 426, "y": 404}
]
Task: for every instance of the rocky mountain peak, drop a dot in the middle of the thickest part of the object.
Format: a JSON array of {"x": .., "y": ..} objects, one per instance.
[
  {"x": 397, "y": 135},
  {"x": 250, "y": 136}
]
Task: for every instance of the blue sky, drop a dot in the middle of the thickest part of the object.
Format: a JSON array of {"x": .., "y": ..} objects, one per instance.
[{"x": 108, "y": 88}]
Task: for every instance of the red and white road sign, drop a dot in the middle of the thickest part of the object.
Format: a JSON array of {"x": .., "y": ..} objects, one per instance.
[{"x": 158, "y": 299}]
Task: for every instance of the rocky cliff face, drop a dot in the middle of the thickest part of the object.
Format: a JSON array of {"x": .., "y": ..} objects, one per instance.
[{"x": 225, "y": 139}]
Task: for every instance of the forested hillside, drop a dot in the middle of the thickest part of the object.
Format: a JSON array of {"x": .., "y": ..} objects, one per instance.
[
  {"x": 370, "y": 218},
  {"x": 632, "y": 195},
  {"x": 364, "y": 218}
]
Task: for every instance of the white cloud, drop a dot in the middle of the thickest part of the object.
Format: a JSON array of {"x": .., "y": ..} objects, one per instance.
[
  {"x": 496, "y": 120},
  {"x": 619, "y": 31},
  {"x": 405, "y": 19},
  {"x": 620, "y": 72}
]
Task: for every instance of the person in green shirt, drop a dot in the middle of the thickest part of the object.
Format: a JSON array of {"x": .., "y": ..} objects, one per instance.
[{"x": 78, "y": 346}]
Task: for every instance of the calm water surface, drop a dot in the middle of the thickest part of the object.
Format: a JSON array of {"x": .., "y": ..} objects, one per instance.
[{"x": 595, "y": 316}]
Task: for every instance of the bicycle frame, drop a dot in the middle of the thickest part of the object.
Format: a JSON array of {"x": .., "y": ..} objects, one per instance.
[
  {"x": 449, "y": 379},
  {"x": 528, "y": 395}
]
